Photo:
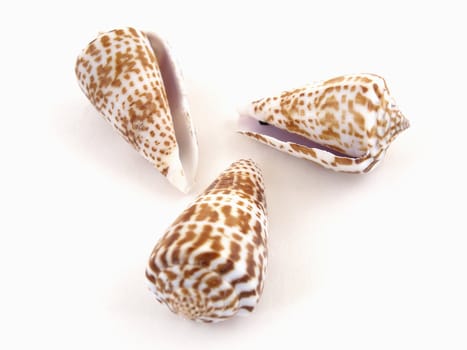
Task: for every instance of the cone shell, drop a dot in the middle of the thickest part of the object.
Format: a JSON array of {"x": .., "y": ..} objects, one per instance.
[
  {"x": 344, "y": 124},
  {"x": 134, "y": 82},
  {"x": 210, "y": 264}
]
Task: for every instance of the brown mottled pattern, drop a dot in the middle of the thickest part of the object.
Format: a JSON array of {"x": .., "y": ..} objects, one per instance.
[
  {"x": 210, "y": 264},
  {"x": 353, "y": 115},
  {"x": 120, "y": 75}
]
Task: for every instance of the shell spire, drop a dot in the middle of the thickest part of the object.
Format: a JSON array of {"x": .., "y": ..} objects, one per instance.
[
  {"x": 210, "y": 263},
  {"x": 344, "y": 124},
  {"x": 132, "y": 79}
]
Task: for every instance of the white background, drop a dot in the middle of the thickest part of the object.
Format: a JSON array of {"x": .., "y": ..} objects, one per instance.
[{"x": 376, "y": 261}]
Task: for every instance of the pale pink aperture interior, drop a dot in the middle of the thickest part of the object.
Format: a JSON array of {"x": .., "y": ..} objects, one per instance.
[
  {"x": 248, "y": 123},
  {"x": 184, "y": 132}
]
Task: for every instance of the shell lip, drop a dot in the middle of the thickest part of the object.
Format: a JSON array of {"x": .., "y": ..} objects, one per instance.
[
  {"x": 185, "y": 133},
  {"x": 249, "y": 125}
]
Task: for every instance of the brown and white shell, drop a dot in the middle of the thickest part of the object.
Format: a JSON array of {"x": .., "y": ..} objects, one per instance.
[
  {"x": 211, "y": 262},
  {"x": 132, "y": 79},
  {"x": 344, "y": 124}
]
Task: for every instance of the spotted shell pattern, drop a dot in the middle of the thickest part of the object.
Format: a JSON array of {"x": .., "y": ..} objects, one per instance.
[
  {"x": 120, "y": 74},
  {"x": 352, "y": 117},
  {"x": 210, "y": 264}
]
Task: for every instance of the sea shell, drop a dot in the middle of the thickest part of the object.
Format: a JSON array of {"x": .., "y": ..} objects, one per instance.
[
  {"x": 210, "y": 263},
  {"x": 132, "y": 79},
  {"x": 344, "y": 124}
]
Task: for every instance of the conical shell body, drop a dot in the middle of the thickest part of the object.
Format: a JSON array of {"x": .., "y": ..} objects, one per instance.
[
  {"x": 345, "y": 123},
  {"x": 210, "y": 264},
  {"x": 138, "y": 93}
]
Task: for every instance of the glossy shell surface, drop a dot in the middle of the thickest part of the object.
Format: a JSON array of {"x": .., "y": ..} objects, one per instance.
[
  {"x": 133, "y": 81},
  {"x": 345, "y": 123},
  {"x": 210, "y": 264}
]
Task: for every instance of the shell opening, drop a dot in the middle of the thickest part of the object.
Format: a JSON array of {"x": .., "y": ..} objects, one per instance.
[
  {"x": 178, "y": 105},
  {"x": 250, "y": 124}
]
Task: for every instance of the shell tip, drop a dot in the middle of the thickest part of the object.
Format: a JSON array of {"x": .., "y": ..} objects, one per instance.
[{"x": 178, "y": 179}]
